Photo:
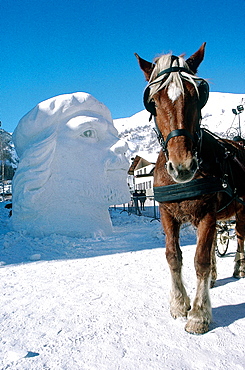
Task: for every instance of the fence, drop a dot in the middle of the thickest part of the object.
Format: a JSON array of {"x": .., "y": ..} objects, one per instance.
[{"x": 150, "y": 208}]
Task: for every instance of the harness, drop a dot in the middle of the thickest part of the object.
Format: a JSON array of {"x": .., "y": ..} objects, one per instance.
[
  {"x": 220, "y": 179},
  {"x": 208, "y": 184},
  {"x": 191, "y": 190}
]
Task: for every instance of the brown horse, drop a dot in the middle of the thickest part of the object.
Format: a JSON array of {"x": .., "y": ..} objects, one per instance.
[{"x": 198, "y": 178}]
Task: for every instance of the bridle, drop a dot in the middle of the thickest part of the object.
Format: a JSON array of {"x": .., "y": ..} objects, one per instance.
[
  {"x": 203, "y": 93},
  {"x": 179, "y": 132}
]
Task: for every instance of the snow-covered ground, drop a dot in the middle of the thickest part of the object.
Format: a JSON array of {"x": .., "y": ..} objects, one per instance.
[{"x": 87, "y": 304}]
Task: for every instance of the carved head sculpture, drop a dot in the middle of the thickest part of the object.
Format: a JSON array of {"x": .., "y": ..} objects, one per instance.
[{"x": 71, "y": 168}]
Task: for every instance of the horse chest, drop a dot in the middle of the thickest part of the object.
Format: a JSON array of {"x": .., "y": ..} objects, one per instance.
[{"x": 188, "y": 211}]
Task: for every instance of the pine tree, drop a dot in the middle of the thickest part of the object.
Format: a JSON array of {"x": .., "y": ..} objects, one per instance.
[{"x": 8, "y": 158}]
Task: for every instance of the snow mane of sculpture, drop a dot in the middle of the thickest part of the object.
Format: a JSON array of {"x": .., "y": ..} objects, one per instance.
[{"x": 71, "y": 168}]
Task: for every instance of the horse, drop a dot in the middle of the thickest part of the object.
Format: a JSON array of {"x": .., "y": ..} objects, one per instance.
[{"x": 198, "y": 178}]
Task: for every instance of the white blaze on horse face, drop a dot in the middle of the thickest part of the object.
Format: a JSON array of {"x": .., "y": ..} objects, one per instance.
[{"x": 173, "y": 92}]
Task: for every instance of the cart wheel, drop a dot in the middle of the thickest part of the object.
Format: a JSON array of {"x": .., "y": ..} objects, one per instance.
[{"x": 222, "y": 243}]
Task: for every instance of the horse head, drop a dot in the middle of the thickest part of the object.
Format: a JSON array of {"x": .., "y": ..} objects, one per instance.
[{"x": 175, "y": 96}]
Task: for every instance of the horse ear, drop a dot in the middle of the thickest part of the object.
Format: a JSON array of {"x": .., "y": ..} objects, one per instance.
[
  {"x": 146, "y": 67},
  {"x": 195, "y": 60}
]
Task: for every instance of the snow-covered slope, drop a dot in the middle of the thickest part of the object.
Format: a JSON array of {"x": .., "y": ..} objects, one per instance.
[
  {"x": 102, "y": 304},
  {"x": 217, "y": 117},
  {"x": 138, "y": 132}
]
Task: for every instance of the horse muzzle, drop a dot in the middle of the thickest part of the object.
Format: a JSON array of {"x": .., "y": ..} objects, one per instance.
[{"x": 182, "y": 172}]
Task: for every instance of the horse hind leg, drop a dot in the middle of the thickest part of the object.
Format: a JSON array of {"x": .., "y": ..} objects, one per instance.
[
  {"x": 239, "y": 268},
  {"x": 213, "y": 276}
]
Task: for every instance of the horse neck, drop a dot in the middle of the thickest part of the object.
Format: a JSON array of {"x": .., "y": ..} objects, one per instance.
[{"x": 211, "y": 155}]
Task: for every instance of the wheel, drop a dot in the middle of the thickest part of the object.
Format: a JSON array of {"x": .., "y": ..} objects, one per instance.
[{"x": 222, "y": 243}]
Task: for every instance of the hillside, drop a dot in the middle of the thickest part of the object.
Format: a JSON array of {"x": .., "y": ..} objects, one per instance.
[{"x": 217, "y": 117}]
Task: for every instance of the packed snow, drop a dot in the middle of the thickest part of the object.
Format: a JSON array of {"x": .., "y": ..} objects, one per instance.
[
  {"x": 72, "y": 303},
  {"x": 102, "y": 303}
]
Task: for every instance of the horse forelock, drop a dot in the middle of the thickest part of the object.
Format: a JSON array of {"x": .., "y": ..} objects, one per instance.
[{"x": 174, "y": 82}]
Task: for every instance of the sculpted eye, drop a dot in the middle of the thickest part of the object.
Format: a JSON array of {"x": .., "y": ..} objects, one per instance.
[{"x": 89, "y": 133}]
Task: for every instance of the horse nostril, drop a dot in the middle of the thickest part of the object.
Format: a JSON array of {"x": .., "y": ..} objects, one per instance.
[
  {"x": 170, "y": 167},
  {"x": 194, "y": 165}
]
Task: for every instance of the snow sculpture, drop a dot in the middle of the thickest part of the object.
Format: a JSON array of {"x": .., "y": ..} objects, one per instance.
[{"x": 72, "y": 167}]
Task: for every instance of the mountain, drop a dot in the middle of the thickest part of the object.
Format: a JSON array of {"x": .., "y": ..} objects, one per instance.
[
  {"x": 141, "y": 138},
  {"x": 217, "y": 117}
]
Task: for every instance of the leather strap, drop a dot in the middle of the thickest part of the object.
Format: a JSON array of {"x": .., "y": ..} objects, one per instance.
[
  {"x": 174, "y": 69},
  {"x": 179, "y": 132}
]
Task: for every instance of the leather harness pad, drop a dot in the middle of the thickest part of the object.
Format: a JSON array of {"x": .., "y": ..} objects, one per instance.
[{"x": 191, "y": 189}]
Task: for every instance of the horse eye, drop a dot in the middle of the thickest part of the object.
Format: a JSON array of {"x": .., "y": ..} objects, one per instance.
[{"x": 88, "y": 133}]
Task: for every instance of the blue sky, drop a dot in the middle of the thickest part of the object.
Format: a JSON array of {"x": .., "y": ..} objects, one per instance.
[{"x": 52, "y": 47}]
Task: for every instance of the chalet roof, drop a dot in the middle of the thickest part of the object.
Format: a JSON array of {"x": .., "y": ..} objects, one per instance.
[
  {"x": 137, "y": 163},
  {"x": 133, "y": 165}
]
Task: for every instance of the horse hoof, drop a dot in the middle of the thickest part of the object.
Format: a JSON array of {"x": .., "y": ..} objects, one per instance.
[
  {"x": 212, "y": 283},
  {"x": 179, "y": 308},
  {"x": 195, "y": 327},
  {"x": 178, "y": 313},
  {"x": 239, "y": 269},
  {"x": 239, "y": 275}
]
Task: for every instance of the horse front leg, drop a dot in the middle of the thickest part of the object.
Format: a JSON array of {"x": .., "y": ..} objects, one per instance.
[
  {"x": 200, "y": 316},
  {"x": 239, "y": 268},
  {"x": 179, "y": 301}
]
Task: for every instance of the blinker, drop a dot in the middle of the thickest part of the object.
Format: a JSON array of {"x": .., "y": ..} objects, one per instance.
[
  {"x": 149, "y": 105},
  {"x": 203, "y": 92}
]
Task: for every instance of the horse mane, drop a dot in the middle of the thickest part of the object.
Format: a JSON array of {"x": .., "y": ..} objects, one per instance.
[{"x": 174, "y": 81}]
